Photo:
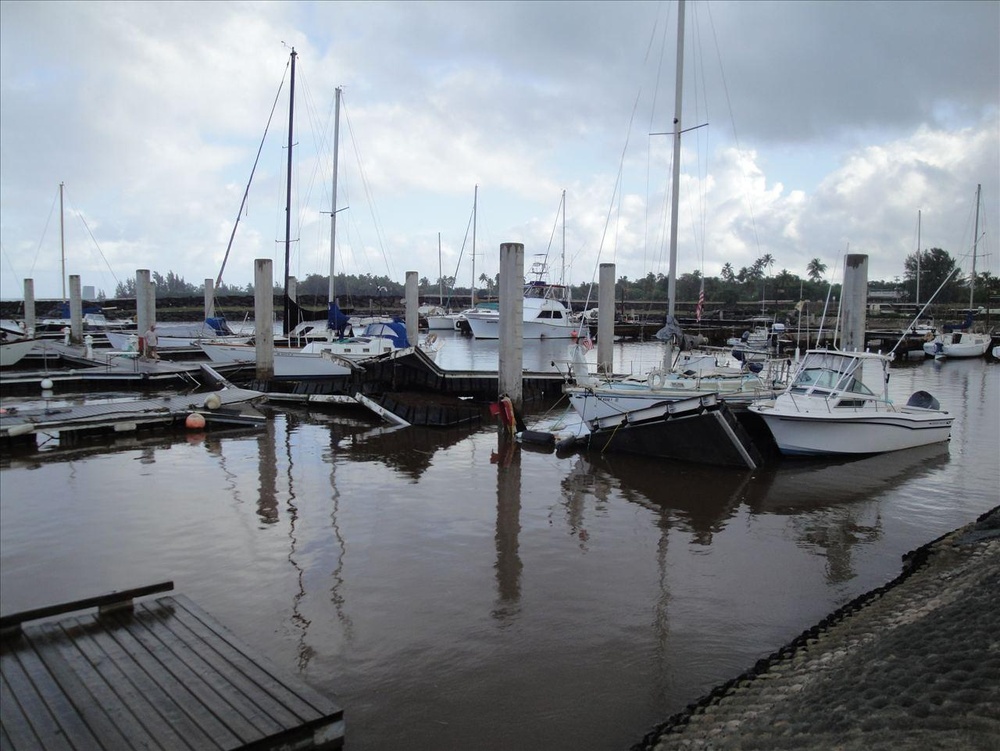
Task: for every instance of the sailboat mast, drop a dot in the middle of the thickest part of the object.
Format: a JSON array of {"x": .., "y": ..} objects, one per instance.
[
  {"x": 288, "y": 196},
  {"x": 975, "y": 244},
  {"x": 62, "y": 241},
  {"x": 475, "y": 204},
  {"x": 440, "y": 274},
  {"x": 676, "y": 183},
  {"x": 918, "y": 257},
  {"x": 333, "y": 205},
  {"x": 562, "y": 273}
]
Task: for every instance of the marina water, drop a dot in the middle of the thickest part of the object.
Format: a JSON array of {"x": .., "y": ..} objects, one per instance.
[{"x": 451, "y": 597}]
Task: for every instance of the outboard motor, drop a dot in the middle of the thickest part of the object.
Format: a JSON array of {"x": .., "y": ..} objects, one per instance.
[{"x": 922, "y": 400}]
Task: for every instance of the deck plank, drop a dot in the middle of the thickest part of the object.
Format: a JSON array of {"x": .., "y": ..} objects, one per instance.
[
  {"x": 184, "y": 698},
  {"x": 165, "y": 675},
  {"x": 129, "y": 701},
  {"x": 42, "y": 722},
  {"x": 260, "y": 710},
  {"x": 160, "y": 698},
  {"x": 303, "y": 701},
  {"x": 101, "y": 706},
  {"x": 70, "y": 684}
]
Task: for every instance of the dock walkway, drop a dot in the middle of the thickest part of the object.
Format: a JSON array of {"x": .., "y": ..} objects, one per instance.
[{"x": 159, "y": 674}]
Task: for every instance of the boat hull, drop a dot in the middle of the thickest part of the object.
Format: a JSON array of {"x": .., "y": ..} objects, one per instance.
[
  {"x": 808, "y": 434},
  {"x": 965, "y": 345},
  {"x": 700, "y": 429},
  {"x": 489, "y": 328},
  {"x": 287, "y": 363},
  {"x": 12, "y": 353}
]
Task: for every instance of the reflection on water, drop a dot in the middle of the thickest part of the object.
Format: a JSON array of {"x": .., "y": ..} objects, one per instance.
[{"x": 450, "y": 589}]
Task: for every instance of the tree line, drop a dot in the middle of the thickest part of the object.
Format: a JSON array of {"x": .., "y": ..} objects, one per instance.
[{"x": 937, "y": 269}]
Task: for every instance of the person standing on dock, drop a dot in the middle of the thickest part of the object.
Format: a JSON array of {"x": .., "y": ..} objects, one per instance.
[{"x": 151, "y": 341}]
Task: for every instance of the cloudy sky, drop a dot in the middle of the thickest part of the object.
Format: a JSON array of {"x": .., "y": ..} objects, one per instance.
[{"x": 827, "y": 127}]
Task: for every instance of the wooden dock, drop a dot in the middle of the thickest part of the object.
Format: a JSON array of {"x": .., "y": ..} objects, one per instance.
[{"x": 159, "y": 674}]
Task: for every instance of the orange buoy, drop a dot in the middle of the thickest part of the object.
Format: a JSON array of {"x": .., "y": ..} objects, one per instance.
[{"x": 195, "y": 421}]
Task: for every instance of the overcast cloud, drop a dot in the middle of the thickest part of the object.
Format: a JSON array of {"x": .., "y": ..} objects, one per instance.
[{"x": 830, "y": 125}]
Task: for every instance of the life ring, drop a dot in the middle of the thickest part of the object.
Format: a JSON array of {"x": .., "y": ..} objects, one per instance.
[{"x": 656, "y": 379}]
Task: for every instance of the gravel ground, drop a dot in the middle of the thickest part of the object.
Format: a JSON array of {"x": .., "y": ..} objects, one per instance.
[{"x": 911, "y": 665}]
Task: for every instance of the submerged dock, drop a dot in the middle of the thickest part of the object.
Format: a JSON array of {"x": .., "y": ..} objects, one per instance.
[{"x": 155, "y": 674}]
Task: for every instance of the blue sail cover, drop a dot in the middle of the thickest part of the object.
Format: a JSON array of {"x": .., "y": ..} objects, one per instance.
[
  {"x": 335, "y": 318},
  {"x": 396, "y": 330}
]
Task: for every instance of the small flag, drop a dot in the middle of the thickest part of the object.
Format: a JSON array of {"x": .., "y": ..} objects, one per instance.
[
  {"x": 701, "y": 301},
  {"x": 587, "y": 343}
]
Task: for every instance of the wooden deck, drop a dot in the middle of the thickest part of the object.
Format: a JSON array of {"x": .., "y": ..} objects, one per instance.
[{"x": 158, "y": 674}]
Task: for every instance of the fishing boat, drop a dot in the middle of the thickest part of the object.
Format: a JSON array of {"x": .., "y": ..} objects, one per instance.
[
  {"x": 545, "y": 315},
  {"x": 838, "y": 403}
]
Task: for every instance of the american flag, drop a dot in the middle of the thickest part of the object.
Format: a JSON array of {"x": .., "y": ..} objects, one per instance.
[{"x": 701, "y": 301}]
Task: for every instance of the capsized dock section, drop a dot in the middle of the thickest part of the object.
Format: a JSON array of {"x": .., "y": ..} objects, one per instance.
[
  {"x": 152, "y": 674},
  {"x": 227, "y": 405}
]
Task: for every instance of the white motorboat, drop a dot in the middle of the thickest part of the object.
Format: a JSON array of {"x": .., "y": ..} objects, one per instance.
[
  {"x": 838, "y": 403},
  {"x": 545, "y": 315},
  {"x": 957, "y": 344}
]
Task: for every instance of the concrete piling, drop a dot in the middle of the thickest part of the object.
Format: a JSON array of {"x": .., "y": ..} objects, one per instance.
[
  {"x": 511, "y": 335},
  {"x": 263, "y": 307},
  {"x": 606, "y": 318}
]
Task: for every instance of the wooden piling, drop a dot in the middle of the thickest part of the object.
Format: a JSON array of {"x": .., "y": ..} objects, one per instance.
[{"x": 412, "y": 315}]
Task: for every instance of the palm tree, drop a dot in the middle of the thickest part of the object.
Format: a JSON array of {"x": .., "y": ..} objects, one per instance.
[
  {"x": 728, "y": 275},
  {"x": 815, "y": 269}
]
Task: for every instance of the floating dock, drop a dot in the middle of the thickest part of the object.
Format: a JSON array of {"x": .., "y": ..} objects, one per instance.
[
  {"x": 153, "y": 674},
  {"x": 228, "y": 405}
]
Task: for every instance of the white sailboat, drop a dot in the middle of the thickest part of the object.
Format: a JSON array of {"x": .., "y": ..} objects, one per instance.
[
  {"x": 688, "y": 375},
  {"x": 964, "y": 343}
]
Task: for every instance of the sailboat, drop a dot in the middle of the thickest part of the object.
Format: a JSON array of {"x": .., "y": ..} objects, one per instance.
[
  {"x": 965, "y": 342},
  {"x": 337, "y": 352},
  {"x": 690, "y": 375}
]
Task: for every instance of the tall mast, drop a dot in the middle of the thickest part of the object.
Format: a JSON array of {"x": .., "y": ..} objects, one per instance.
[
  {"x": 440, "y": 275},
  {"x": 975, "y": 244},
  {"x": 562, "y": 273},
  {"x": 333, "y": 205},
  {"x": 475, "y": 204},
  {"x": 288, "y": 195},
  {"x": 918, "y": 257},
  {"x": 62, "y": 241},
  {"x": 675, "y": 188}
]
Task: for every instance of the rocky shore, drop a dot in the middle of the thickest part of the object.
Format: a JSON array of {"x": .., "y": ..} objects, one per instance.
[{"x": 914, "y": 664}]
